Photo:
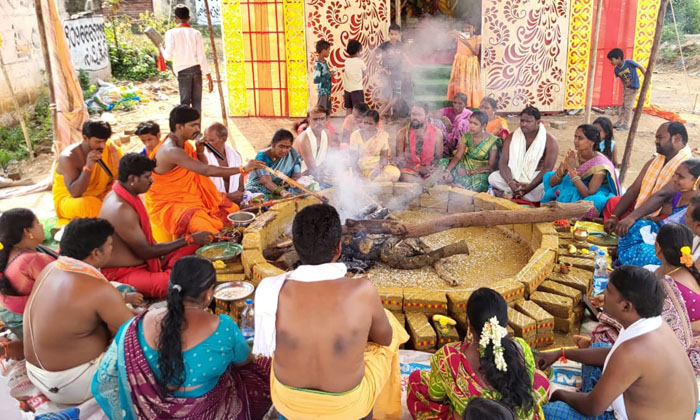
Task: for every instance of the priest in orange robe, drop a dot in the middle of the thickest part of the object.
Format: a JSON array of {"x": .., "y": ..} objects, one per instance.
[{"x": 183, "y": 199}]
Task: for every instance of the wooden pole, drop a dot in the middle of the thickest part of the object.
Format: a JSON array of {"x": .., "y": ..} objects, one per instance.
[
  {"x": 216, "y": 65},
  {"x": 49, "y": 73},
  {"x": 645, "y": 89},
  {"x": 397, "y": 5},
  {"x": 30, "y": 149},
  {"x": 594, "y": 59}
]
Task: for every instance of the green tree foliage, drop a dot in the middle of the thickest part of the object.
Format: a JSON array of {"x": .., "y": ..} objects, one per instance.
[{"x": 687, "y": 18}]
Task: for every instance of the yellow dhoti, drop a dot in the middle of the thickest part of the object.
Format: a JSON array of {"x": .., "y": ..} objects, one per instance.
[
  {"x": 379, "y": 391},
  {"x": 90, "y": 203}
]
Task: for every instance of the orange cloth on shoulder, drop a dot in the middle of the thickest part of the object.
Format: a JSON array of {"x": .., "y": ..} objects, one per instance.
[{"x": 182, "y": 201}]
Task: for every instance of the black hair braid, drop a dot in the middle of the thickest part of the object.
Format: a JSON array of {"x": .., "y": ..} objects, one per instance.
[
  {"x": 170, "y": 361},
  {"x": 515, "y": 392},
  {"x": 695, "y": 272}
]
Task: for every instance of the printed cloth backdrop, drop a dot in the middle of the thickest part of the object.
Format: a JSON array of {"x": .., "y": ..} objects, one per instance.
[
  {"x": 338, "y": 22},
  {"x": 524, "y": 53}
]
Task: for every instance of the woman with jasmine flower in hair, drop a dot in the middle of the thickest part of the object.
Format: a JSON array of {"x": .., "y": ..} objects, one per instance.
[{"x": 490, "y": 365}]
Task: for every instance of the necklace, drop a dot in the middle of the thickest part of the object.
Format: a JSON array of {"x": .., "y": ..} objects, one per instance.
[
  {"x": 673, "y": 271},
  {"x": 199, "y": 308}
]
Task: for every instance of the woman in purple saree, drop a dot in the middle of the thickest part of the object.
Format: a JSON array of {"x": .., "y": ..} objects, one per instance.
[
  {"x": 141, "y": 378},
  {"x": 584, "y": 174}
]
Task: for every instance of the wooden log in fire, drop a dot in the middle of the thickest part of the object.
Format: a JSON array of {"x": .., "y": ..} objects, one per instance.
[
  {"x": 423, "y": 259},
  {"x": 478, "y": 218}
]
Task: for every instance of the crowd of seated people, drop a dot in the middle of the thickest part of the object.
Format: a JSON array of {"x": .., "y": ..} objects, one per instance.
[{"x": 136, "y": 219}]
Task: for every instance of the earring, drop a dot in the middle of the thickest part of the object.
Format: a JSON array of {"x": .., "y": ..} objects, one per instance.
[{"x": 31, "y": 235}]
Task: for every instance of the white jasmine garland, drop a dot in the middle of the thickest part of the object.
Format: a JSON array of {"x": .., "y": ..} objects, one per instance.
[{"x": 493, "y": 333}]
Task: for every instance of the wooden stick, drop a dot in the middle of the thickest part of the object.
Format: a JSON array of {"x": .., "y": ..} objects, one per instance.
[
  {"x": 294, "y": 183},
  {"x": 478, "y": 218},
  {"x": 49, "y": 76},
  {"x": 645, "y": 89},
  {"x": 224, "y": 116},
  {"x": 594, "y": 59},
  {"x": 30, "y": 149},
  {"x": 273, "y": 202}
]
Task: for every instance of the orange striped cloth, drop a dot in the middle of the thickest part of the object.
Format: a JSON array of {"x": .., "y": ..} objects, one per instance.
[
  {"x": 77, "y": 266},
  {"x": 660, "y": 173}
]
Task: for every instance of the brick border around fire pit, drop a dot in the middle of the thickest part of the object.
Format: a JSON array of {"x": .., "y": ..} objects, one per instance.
[{"x": 542, "y": 238}]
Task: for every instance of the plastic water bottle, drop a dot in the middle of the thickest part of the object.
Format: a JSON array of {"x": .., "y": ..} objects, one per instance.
[
  {"x": 600, "y": 275},
  {"x": 490, "y": 191},
  {"x": 247, "y": 324},
  {"x": 245, "y": 201}
]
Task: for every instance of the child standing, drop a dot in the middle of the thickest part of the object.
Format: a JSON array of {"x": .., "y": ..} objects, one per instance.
[
  {"x": 390, "y": 54},
  {"x": 352, "y": 79},
  {"x": 322, "y": 74},
  {"x": 626, "y": 70}
]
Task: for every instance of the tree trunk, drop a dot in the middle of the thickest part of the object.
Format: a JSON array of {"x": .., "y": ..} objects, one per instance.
[{"x": 478, "y": 218}]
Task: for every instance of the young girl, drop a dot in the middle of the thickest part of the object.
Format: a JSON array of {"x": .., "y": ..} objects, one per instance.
[{"x": 607, "y": 145}]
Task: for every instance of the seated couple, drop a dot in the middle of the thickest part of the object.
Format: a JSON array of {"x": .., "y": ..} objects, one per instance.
[
  {"x": 475, "y": 158},
  {"x": 72, "y": 313},
  {"x": 644, "y": 375},
  {"x": 183, "y": 199},
  {"x": 637, "y": 232},
  {"x": 491, "y": 366},
  {"x": 335, "y": 347},
  {"x": 584, "y": 174},
  {"x": 528, "y": 154},
  {"x": 182, "y": 361},
  {"x": 671, "y": 150},
  {"x": 681, "y": 279},
  {"x": 136, "y": 258}
]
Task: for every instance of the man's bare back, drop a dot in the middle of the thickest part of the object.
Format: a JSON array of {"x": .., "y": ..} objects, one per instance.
[
  {"x": 662, "y": 390},
  {"x": 120, "y": 213},
  {"x": 68, "y": 319},
  {"x": 322, "y": 331}
]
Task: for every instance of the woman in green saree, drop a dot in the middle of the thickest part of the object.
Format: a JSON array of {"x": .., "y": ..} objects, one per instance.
[{"x": 475, "y": 158}]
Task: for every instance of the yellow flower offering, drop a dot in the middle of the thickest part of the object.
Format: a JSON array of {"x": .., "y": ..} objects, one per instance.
[{"x": 218, "y": 264}]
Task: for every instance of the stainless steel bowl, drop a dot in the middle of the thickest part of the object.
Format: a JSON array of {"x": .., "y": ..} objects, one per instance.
[
  {"x": 249, "y": 288},
  {"x": 241, "y": 218}
]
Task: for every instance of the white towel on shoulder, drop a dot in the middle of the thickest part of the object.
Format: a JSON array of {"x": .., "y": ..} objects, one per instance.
[
  {"x": 318, "y": 151},
  {"x": 234, "y": 160},
  {"x": 523, "y": 161}
]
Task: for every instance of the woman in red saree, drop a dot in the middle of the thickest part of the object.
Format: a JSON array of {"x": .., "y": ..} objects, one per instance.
[
  {"x": 490, "y": 366},
  {"x": 20, "y": 265}
]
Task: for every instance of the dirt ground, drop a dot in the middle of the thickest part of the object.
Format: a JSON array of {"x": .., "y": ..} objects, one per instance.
[{"x": 250, "y": 134}]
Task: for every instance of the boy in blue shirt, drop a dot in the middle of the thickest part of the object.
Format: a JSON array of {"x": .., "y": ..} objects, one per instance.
[
  {"x": 626, "y": 70},
  {"x": 322, "y": 74}
]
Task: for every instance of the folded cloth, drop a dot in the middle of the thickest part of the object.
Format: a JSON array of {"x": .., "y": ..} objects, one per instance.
[
  {"x": 659, "y": 173},
  {"x": 233, "y": 159},
  {"x": 522, "y": 160},
  {"x": 70, "y": 386},
  {"x": 379, "y": 390}
]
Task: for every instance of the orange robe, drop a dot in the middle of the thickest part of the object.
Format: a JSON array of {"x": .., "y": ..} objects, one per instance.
[
  {"x": 182, "y": 201},
  {"x": 90, "y": 203}
]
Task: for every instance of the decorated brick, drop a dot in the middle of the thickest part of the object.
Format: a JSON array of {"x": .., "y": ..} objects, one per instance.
[
  {"x": 222, "y": 278},
  {"x": 537, "y": 269},
  {"x": 551, "y": 286},
  {"x": 263, "y": 271},
  {"x": 544, "y": 322},
  {"x": 457, "y": 302},
  {"x": 426, "y": 301},
  {"x": 523, "y": 326},
  {"x": 400, "y": 316},
  {"x": 556, "y": 305},
  {"x": 392, "y": 298},
  {"x": 579, "y": 262},
  {"x": 462, "y": 324},
  {"x": 577, "y": 278},
  {"x": 565, "y": 325},
  {"x": 422, "y": 333},
  {"x": 511, "y": 289}
]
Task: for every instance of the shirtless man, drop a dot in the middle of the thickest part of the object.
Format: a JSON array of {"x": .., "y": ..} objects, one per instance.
[
  {"x": 646, "y": 375},
  {"x": 332, "y": 335},
  {"x": 182, "y": 198},
  {"x": 655, "y": 177},
  {"x": 137, "y": 259},
  {"x": 313, "y": 144},
  {"x": 80, "y": 180},
  {"x": 528, "y": 153},
  {"x": 72, "y": 314},
  {"x": 418, "y": 147}
]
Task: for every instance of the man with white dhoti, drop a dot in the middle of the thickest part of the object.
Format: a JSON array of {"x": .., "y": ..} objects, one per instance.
[
  {"x": 314, "y": 142},
  {"x": 528, "y": 153},
  {"x": 217, "y": 135},
  {"x": 645, "y": 375},
  {"x": 334, "y": 347}
]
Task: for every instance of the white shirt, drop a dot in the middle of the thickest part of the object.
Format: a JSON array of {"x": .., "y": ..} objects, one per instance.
[
  {"x": 184, "y": 46},
  {"x": 352, "y": 79}
]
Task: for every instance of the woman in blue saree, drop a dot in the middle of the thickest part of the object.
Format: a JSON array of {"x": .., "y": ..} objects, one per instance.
[
  {"x": 280, "y": 156},
  {"x": 636, "y": 247},
  {"x": 584, "y": 174}
]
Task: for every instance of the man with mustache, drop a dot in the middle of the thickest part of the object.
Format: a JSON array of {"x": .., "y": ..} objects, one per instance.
[
  {"x": 84, "y": 173},
  {"x": 418, "y": 147},
  {"x": 671, "y": 150},
  {"x": 183, "y": 199},
  {"x": 136, "y": 259}
]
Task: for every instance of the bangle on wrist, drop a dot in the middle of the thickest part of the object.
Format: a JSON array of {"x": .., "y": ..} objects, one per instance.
[
  {"x": 613, "y": 217},
  {"x": 242, "y": 171},
  {"x": 86, "y": 169}
]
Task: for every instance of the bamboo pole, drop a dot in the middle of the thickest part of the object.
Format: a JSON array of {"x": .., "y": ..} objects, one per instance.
[
  {"x": 30, "y": 149},
  {"x": 49, "y": 73},
  {"x": 397, "y": 5},
  {"x": 216, "y": 65},
  {"x": 594, "y": 59},
  {"x": 645, "y": 89}
]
